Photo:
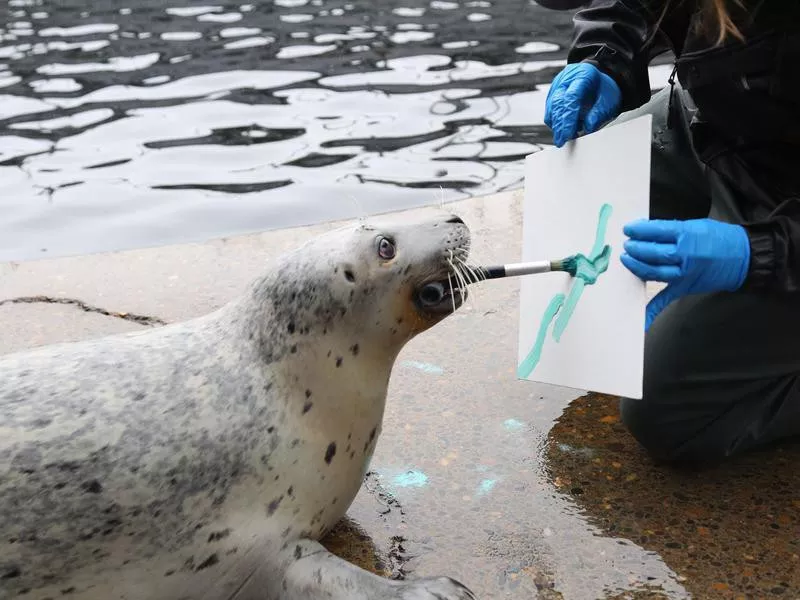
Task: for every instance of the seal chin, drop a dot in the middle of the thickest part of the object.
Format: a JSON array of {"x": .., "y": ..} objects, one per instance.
[{"x": 438, "y": 297}]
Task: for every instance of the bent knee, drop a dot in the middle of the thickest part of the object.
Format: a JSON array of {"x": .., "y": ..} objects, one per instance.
[
  {"x": 669, "y": 421},
  {"x": 671, "y": 431},
  {"x": 646, "y": 423}
]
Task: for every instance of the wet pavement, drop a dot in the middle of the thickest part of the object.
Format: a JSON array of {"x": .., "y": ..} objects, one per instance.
[
  {"x": 519, "y": 490},
  {"x": 133, "y": 124},
  {"x": 731, "y": 531}
]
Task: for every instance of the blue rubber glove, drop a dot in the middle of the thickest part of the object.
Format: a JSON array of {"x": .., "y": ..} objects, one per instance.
[
  {"x": 581, "y": 96},
  {"x": 692, "y": 257}
]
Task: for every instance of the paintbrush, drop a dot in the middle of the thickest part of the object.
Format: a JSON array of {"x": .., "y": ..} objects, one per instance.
[{"x": 565, "y": 265}]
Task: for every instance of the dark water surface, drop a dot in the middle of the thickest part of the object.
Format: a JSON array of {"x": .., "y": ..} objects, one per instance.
[{"x": 135, "y": 124}]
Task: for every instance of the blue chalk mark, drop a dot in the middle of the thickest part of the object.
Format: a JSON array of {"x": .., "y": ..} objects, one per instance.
[
  {"x": 513, "y": 425},
  {"x": 426, "y": 367},
  {"x": 486, "y": 486},
  {"x": 411, "y": 478}
]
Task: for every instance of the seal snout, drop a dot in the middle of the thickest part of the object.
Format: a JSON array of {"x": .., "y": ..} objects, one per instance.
[{"x": 443, "y": 292}]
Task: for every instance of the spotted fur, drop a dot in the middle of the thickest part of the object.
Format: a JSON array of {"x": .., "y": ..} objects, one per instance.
[{"x": 202, "y": 460}]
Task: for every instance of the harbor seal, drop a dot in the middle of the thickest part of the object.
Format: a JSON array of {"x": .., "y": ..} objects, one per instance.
[{"x": 203, "y": 460}]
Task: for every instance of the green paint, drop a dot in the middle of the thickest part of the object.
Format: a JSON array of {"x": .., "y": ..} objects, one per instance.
[
  {"x": 600, "y": 235},
  {"x": 586, "y": 274},
  {"x": 535, "y": 354},
  {"x": 422, "y": 366},
  {"x": 588, "y": 271},
  {"x": 513, "y": 425},
  {"x": 486, "y": 486},
  {"x": 411, "y": 479},
  {"x": 569, "y": 307}
]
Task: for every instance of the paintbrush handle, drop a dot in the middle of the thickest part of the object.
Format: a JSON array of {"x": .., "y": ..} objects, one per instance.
[{"x": 516, "y": 269}]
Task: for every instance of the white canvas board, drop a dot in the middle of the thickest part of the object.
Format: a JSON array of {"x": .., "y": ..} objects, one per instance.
[{"x": 601, "y": 345}]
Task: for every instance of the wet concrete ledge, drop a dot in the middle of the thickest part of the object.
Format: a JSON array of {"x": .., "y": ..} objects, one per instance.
[{"x": 519, "y": 490}]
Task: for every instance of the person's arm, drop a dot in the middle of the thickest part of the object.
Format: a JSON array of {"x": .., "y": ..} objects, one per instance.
[
  {"x": 705, "y": 255},
  {"x": 619, "y": 38},
  {"x": 775, "y": 250},
  {"x": 607, "y": 74},
  {"x": 562, "y": 4}
]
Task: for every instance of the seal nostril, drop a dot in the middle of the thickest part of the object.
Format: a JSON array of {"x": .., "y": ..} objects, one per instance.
[
  {"x": 348, "y": 274},
  {"x": 432, "y": 294},
  {"x": 456, "y": 220}
]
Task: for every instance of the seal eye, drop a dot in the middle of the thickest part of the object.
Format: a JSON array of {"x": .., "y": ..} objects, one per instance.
[{"x": 386, "y": 249}]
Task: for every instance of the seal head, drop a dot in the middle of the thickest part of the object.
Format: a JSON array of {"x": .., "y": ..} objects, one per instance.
[{"x": 382, "y": 281}]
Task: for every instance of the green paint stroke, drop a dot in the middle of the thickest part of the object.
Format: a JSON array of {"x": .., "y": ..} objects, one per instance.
[
  {"x": 532, "y": 359},
  {"x": 588, "y": 272}
]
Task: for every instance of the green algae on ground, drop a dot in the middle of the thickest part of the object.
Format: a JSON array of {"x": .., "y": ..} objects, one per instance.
[{"x": 587, "y": 272}]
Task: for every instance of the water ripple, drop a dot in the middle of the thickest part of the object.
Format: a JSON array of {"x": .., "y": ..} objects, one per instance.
[{"x": 124, "y": 127}]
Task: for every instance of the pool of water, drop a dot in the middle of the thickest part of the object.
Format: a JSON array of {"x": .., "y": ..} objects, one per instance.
[{"x": 126, "y": 125}]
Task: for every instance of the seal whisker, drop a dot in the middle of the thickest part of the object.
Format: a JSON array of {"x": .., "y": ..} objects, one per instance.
[
  {"x": 477, "y": 277},
  {"x": 472, "y": 275},
  {"x": 454, "y": 274},
  {"x": 468, "y": 274},
  {"x": 455, "y": 270},
  {"x": 461, "y": 281},
  {"x": 450, "y": 283},
  {"x": 460, "y": 287},
  {"x": 464, "y": 276},
  {"x": 464, "y": 282},
  {"x": 459, "y": 265},
  {"x": 461, "y": 251},
  {"x": 468, "y": 271},
  {"x": 362, "y": 214}
]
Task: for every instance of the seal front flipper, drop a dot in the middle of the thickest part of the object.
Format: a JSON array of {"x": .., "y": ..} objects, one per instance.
[{"x": 308, "y": 571}]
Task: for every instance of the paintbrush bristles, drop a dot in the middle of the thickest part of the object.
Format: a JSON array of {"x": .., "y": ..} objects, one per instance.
[{"x": 567, "y": 265}]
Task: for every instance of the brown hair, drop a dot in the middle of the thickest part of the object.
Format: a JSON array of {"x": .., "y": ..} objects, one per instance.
[{"x": 714, "y": 15}]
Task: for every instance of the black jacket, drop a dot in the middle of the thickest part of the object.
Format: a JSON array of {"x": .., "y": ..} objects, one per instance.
[{"x": 747, "y": 127}]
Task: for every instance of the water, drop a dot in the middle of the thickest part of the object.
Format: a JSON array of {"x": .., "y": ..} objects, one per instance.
[{"x": 125, "y": 125}]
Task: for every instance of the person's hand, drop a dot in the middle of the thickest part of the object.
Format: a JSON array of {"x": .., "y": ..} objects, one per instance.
[
  {"x": 692, "y": 257},
  {"x": 580, "y": 96}
]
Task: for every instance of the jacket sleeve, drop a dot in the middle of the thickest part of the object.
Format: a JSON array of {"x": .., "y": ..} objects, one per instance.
[
  {"x": 775, "y": 250},
  {"x": 619, "y": 37}
]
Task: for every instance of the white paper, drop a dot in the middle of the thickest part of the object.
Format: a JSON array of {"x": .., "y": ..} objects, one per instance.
[{"x": 601, "y": 349}]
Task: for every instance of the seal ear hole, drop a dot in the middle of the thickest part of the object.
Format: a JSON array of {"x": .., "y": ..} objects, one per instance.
[{"x": 348, "y": 274}]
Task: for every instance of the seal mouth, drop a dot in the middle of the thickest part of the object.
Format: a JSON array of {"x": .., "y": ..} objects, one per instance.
[{"x": 440, "y": 296}]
